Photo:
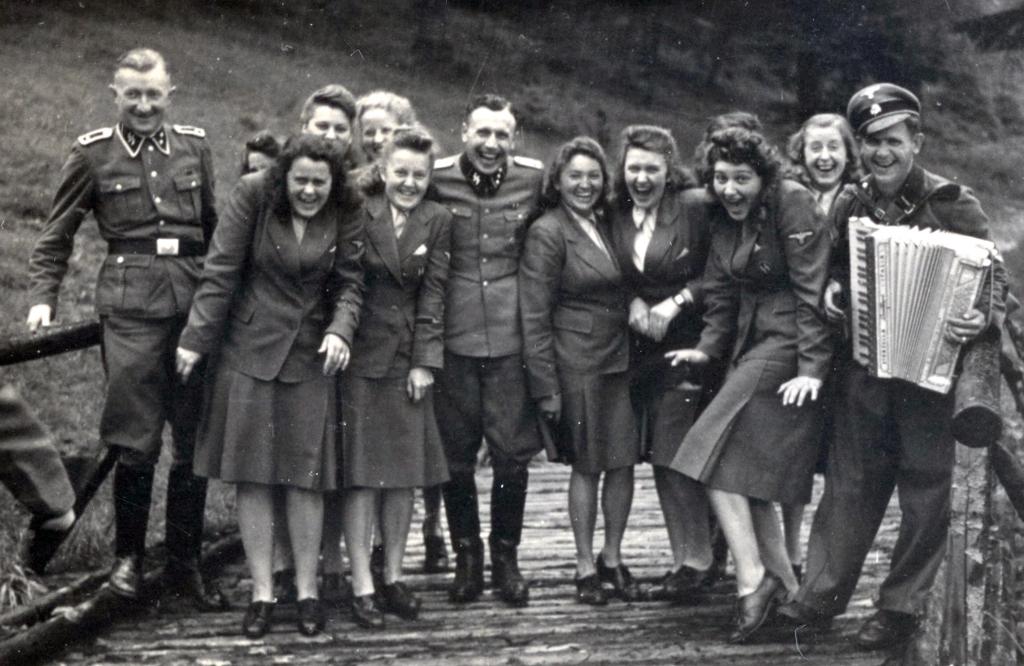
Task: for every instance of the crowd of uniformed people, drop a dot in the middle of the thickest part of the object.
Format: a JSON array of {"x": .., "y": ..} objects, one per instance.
[{"x": 361, "y": 315}]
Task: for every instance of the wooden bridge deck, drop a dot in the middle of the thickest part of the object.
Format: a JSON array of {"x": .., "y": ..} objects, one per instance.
[{"x": 552, "y": 630}]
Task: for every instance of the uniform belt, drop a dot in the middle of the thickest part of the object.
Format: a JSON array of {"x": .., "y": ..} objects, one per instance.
[{"x": 164, "y": 247}]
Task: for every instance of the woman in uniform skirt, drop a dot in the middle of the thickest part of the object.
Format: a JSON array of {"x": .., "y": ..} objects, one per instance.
[
  {"x": 757, "y": 441},
  {"x": 823, "y": 156},
  {"x": 573, "y": 306},
  {"x": 277, "y": 308},
  {"x": 391, "y": 441},
  {"x": 660, "y": 238}
]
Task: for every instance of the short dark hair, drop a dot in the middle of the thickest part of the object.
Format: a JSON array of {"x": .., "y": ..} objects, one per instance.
[
  {"x": 489, "y": 101},
  {"x": 797, "y": 142},
  {"x": 415, "y": 138},
  {"x": 550, "y": 197},
  {"x": 260, "y": 142},
  {"x": 736, "y": 145},
  {"x": 656, "y": 140},
  {"x": 317, "y": 149},
  {"x": 333, "y": 95}
]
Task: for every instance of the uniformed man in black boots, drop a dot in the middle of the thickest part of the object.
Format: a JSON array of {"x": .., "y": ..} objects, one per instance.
[
  {"x": 150, "y": 187},
  {"x": 481, "y": 393}
]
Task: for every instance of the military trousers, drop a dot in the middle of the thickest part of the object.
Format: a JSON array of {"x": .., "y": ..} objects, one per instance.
[
  {"x": 144, "y": 392},
  {"x": 889, "y": 434}
]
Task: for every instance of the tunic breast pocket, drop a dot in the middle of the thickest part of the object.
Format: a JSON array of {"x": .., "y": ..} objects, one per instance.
[
  {"x": 121, "y": 202},
  {"x": 187, "y": 186}
]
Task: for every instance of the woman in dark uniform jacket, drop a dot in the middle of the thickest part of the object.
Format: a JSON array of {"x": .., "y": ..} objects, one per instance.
[
  {"x": 573, "y": 307},
  {"x": 279, "y": 300},
  {"x": 757, "y": 441},
  {"x": 660, "y": 238},
  {"x": 391, "y": 441}
]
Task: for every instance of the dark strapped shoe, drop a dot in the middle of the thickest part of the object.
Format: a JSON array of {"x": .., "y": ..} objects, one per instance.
[
  {"x": 621, "y": 580},
  {"x": 311, "y": 617},
  {"x": 753, "y": 609},
  {"x": 399, "y": 600},
  {"x": 886, "y": 628},
  {"x": 256, "y": 622},
  {"x": 126, "y": 576},
  {"x": 508, "y": 582},
  {"x": 435, "y": 557},
  {"x": 685, "y": 585},
  {"x": 589, "y": 591},
  {"x": 284, "y": 587},
  {"x": 365, "y": 612},
  {"x": 469, "y": 570},
  {"x": 187, "y": 584}
]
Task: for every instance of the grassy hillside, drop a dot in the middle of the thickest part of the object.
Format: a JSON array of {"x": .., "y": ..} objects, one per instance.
[{"x": 238, "y": 70}]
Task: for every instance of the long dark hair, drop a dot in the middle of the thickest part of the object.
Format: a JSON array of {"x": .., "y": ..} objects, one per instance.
[
  {"x": 656, "y": 140},
  {"x": 342, "y": 196},
  {"x": 550, "y": 197}
]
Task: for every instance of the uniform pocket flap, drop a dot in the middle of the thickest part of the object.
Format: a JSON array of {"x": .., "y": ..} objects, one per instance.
[
  {"x": 186, "y": 182},
  {"x": 570, "y": 320},
  {"x": 120, "y": 184},
  {"x": 244, "y": 311}
]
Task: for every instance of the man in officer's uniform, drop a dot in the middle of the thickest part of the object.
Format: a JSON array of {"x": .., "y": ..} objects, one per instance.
[
  {"x": 481, "y": 393},
  {"x": 150, "y": 188},
  {"x": 889, "y": 433}
]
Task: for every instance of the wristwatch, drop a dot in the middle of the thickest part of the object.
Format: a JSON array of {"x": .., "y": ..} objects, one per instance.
[{"x": 679, "y": 300}]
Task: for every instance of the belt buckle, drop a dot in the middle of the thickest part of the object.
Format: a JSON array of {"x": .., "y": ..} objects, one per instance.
[{"x": 167, "y": 246}]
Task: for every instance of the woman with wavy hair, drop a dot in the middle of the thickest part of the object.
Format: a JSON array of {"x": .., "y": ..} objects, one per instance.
[
  {"x": 757, "y": 441},
  {"x": 573, "y": 306},
  {"x": 660, "y": 236},
  {"x": 277, "y": 306}
]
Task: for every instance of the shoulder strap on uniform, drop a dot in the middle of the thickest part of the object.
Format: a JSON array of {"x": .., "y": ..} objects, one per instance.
[
  {"x": 445, "y": 162},
  {"x": 528, "y": 162},
  {"x": 189, "y": 130},
  {"x": 96, "y": 135}
]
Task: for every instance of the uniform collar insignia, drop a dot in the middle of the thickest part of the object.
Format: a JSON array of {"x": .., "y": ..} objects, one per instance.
[
  {"x": 483, "y": 184},
  {"x": 133, "y": 141}
]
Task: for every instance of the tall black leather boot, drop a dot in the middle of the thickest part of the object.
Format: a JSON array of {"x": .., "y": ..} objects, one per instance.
[
  {"x": 186, "y": 503},
  {"x": 132, "y": 489},
  {"x": 461, "y": 507},
  {"x": 508, "y": 501}
]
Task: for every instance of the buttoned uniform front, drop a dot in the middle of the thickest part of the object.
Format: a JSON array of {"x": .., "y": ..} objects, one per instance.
[
  {"x": 481, "y": 392},
  {"x": 574, "y": 309},
  {"x": 390, "y": 441},
  {"x": 763, "y": 286},
  {"x": 674, "y": 261},
  {"x": 265, "y": 303},
  {"x": 890, "y": 433}
]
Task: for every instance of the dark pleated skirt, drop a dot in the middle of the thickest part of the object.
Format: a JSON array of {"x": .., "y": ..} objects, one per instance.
[
  {"x": 268, "y": 432},
  {"x": 746, "y": 442},
  {"x": 388, "y": 441},
  {"x": 599, "y": 420}
]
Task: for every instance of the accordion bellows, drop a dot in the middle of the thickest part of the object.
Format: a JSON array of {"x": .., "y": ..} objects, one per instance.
[{"x": 905, "y": 282}]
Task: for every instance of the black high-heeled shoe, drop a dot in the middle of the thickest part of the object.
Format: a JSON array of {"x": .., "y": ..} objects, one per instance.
[
  {"x": 256, "y": 622},
  {"x": 621, "y": 580},
  {"x": 753, "y": 609},
  {"x": 365, "y": 612}
]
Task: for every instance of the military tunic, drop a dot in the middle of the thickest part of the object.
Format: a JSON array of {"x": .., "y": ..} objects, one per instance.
[
  {"x": 890, "y": 433},
  {"x": 152, "y": 198}
]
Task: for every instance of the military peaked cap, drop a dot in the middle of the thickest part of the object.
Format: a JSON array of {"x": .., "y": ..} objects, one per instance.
[{"x": 880, "y": 106}]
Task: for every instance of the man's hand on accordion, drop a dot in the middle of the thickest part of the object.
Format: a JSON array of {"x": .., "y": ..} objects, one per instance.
[
  {"x": 694, "y": 356},
  {"x": 833, "y": 302},
  {"x": 797, "y": 389},
  {"x": 961, "y": 330}
]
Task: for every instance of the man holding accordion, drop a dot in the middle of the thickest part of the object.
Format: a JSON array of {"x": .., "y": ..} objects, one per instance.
[{"x": 889, "y": 432}]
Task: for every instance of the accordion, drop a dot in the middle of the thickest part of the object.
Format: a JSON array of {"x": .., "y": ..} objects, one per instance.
[{"x": 905, "y": 282}]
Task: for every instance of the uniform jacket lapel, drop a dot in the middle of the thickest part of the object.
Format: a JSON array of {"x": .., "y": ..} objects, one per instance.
[
  {"x": 381, "y": 234},
  {"x": 663, "y": 240},
  {"x": 587, "y": 251},
  {"x": 318, "y": 239},
  {"x": 283, "y": 237},
  {"x": 416, "y": 233}
]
